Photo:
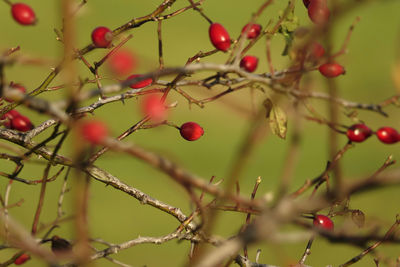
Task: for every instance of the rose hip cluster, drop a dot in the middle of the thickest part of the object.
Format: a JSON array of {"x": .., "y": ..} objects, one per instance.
[
  {"x": 221, "y": 40},
  {"x": 360, "y": 132},
  {"x": 16, "y": 121}
]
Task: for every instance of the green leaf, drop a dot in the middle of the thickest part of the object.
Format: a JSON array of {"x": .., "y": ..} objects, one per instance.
[
  {"x": 277, "y": 119},
  {"x": 287, "y": 27}
]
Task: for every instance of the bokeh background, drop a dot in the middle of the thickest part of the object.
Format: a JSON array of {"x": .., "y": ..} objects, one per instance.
[{"x": 117, "y": 217}]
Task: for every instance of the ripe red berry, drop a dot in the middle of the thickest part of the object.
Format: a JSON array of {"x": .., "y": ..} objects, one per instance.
[
  {"x": 122, "y": 62},
  {"x": 387, "y": 135},
  {"x": 21, "y": 123},
  {"x": 358, "y": 133},
  {"x": 16, "y": 86},
  {"x": 153, "y": 107},
  {"x": 219, "y": 37},
  {"x": 9, "y": 116},
  {"x": 93, "y": 131},
  {"x": 102, "y": 37},
  {"x": 323, "y": 222},
  {"x": 318, "y": 11},
  {"x": 253, "y": 31},
  {"x": 23, "y": 14},
  {"x": 191, "y": 131},
  {"x": 249, "y": 63},
  {"x": 141, "y": 84},
  {"x": 22, "y": 259},
  {"x": 331, "y": 70},
  {"x": 317, "y": 51}
]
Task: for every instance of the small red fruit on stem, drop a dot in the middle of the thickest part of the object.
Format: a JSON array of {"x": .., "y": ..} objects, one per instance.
[
  {"x": 318, "y": 11},
  {"x": 153, "y": 107},
  {"x": 22, "y": 259},
  {"x": 141, "y": 84},
  {"x": 317, "y": 51},
  {"x": 191, "y": 131},
  {"x": 21, "y": 123},
  {"x": 358, "y": 133},
  {"x": 93, "y": 131},
  {"x": 249, "y": 63},
  {"x": 122, "y": 62},
  {"x": 219, "y": 37},
  {"x": 388, "y": 135},
  {"x": 253, "y": 30},
  {"x": 331, "y": 70},
  {"x": 23, "y": 14},
  {"x": 8, "y": 117},
  {"x": 102, "y": 37},
  {"x": 324, "y": 222}
]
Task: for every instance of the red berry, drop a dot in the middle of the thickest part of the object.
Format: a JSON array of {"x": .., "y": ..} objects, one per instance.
[
  {"x": 306, "y": 3},
  {"x": 219, "y": 37},
  {"x": 387, "y": 135},
  {"x": 16, "y": 86},
  {"x": 23, "y": 14},
  {"x": 93, "y": 131},
  {"x": 331, "y": 70},
  {"x": 22, "y": 259},
  {"x": 323, "y": 222},
  {"x": 253, "y": 32},
  {"x": 21, "y": 123},
  {"x": 249, "y": 63},
  {"x": 141, "y": 84},
  {"x": 318, "y": 11},
  {"x": 102, "y": 37},
  {"x": 358, "y": 132},
  {"x": 191, "y": 131},
  {"x": 122, "y": 62},
  {"x": 9, "y": 116},
  {"x": 153, "y": 107},
  {"x": 317, "y": 51}
]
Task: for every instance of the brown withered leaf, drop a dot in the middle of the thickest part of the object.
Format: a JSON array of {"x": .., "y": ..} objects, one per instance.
[
  {"x": 358, "y": 217},
  {"x": 277, "y": 118}
]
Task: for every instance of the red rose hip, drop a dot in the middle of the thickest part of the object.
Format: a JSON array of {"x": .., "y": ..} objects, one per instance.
[
  {"x": 153, "y": 107},
  {"x": 191, "y": 131},
  {"x": 122, "y": 62},
  {"x": 23, "y": 14},
  {"x": 249, "y": 63},
  {"x": 318, "y": 11},
  {"x": 141, "y": 84},
  {"x": 331, "y": 70},
  {"x": 22, "y": 259},
  {"x": 253, "y": 31},
  {"x": 219, "y": 37},
  {"x": 21, "y": 123},
  {"x": 324, "y": 222},
  {"x": 102, "y": 37},
  {"x": 9, "y": 116},
  {"x": 93, "y": 131},
  {"x": 358, "y": 133},
  {"x": 387, "y": 135},
  {"x": 317, "y": 51}
]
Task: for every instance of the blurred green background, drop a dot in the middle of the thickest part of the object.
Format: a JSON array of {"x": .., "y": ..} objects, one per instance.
[{"x": 117, "y": 217}]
